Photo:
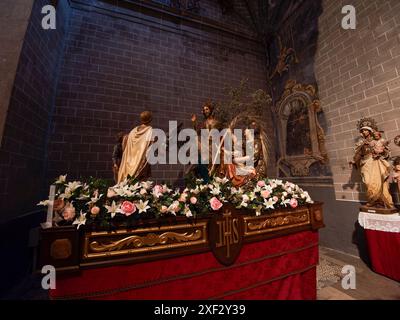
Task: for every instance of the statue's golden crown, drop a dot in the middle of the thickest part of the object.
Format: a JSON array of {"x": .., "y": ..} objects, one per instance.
[{"x": 367, "y": 123}]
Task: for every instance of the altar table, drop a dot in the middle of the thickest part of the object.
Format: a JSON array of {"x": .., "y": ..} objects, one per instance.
[{"x": 278, "y": 268}]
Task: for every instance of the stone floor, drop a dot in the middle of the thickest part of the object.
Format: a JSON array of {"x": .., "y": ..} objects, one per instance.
[{"x": 369, "y": 285}]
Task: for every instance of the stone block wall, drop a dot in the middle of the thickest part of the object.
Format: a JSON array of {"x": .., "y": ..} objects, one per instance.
[
  {"x": 23, "y": 150},
  {"x": 119, "y": 62},
  {"x": 358, "y": 73}
]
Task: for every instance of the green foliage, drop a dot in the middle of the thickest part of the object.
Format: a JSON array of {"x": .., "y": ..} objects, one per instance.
[{"x": 242, "y": 104}]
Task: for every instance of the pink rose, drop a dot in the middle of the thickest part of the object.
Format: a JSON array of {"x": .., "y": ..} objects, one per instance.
[
  {"x": 261, "y": 183},
  {"x": 293, "y": 203},
  {"x": 215, "y": 203},
  {"x": 275, "y": 198},
  {"x": 95, "y": 210},
  {"x": 193, "y": 200},
  {"x": 69, "y": 212},
  {"x": 128, "y": 208},
  {"x": 265, "y": 193}
]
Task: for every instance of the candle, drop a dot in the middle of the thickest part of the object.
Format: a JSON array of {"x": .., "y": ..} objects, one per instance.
[{"x": 49, "y": 220}]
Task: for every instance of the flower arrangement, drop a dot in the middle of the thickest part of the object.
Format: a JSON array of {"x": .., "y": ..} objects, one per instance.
[{"x": 97, "y": 204}]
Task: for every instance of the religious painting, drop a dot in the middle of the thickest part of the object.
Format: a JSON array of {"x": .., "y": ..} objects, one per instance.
[
  {"x": 298, "y": 141},
  {"x": 301, "y": 137}
]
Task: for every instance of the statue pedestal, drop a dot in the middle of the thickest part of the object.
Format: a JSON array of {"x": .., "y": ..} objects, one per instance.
[{"x": 378, "y": 210}]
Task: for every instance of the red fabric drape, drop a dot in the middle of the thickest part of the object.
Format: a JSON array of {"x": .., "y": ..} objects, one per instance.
[
  {"x": 384, "y": 252},
  {"x": 280, "y": 268}
]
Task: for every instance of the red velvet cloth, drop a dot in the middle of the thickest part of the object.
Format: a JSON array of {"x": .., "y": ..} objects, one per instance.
[
  {"x": 280, "y": 268},
  {"x": 384, "y": 252}
]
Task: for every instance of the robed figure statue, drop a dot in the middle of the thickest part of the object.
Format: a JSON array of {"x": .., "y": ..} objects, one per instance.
[
  {"x": 135, "y": 147},
  {"x": 371, "y": 154}
]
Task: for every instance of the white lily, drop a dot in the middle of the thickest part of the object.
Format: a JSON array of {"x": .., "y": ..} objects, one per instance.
[
  {"x": 80, "y": 220},
  {"x": 236, "y": 191},
  {"x": 243, "y": 204},
  {"x": 269, "y": 188},
  {"x": 61, "y": 179},
  {"x": 173, "y": 207},
  {"x": 195, "y": 191},
  {"x": 122, "y": 183},
  {"x": 269, "y": 204},
  {"x": 134, "y": 187},
  {"x": 142, "y": 206},
  {"x": 83, "y": 196},
  {"x": 216, "y": 184},
  {"x": 156, "y": 194},
  {"x": 285, "y": 202},
  {"x": 73, "y": 185},
  {"x": 122, "y": 191},
  {"x": 221, "y": 180},
  {"x": 67, "y": 194},
  {"x": 44, "y": 203},
  {"x": 165, "y": 188},
  {"x": 252, "y": 196},
  {"x": 188, "y": 213},
  {"x": 215, "y": 190},
  {"x": 146, "y": 184},
  {"x": 94, "y": 199},
  {"x": 113, "y": 209}
]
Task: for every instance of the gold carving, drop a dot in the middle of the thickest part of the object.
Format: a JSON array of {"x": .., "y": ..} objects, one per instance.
[
  {"x": 287, "y": 56},
  {"x": 61, "y": 249},
  {"x": 143, "y": 240},
  {"x": 255, "y": 225},
  {"x": 228, "y": 232},
  {"x": 150, "y": 240}
]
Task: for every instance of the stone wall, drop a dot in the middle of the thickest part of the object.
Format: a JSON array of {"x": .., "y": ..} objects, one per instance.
[
  {"x": 23, "y": 151},
  {"x": 120, "y": 61},
  {"x": 300, "y": 32},
  {"x": 14, "y": 18},
  {"x": 358, "y": 73}
]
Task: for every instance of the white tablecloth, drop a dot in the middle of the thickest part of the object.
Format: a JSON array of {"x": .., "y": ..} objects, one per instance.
[{"x": 380, "y": 222}]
